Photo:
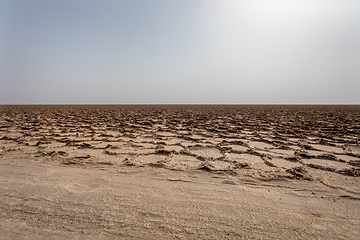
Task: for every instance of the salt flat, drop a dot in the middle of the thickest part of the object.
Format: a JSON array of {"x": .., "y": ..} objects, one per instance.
[{"x": 179, "y": 172}]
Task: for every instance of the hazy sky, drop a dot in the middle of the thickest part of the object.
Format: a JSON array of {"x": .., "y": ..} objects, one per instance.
[{"x": 184, "y": 51}]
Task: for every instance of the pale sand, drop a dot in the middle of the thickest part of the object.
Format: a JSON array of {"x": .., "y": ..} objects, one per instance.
[
  {"x": 42, "y": 200},
  {"x": 199, "y": 172}
]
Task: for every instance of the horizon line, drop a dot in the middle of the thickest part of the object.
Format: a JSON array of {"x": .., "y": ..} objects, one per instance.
[{"x": 68, "y": 104}]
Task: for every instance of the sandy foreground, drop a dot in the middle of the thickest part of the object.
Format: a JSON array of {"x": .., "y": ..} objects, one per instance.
[{"x": 179, "y": 172}]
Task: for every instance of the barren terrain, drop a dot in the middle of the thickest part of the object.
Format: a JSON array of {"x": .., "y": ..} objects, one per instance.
[{"x": 180, "y": 172}]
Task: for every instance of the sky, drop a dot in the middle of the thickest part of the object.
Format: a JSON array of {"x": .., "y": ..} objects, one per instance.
[{"x": 180, "y": 52}]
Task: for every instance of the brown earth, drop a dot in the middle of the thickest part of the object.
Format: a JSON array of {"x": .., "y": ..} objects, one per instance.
[{"x": 180, "y": 172}]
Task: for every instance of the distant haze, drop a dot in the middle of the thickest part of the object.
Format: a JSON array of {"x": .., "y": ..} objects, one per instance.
[{"x": 185, "y": 51}]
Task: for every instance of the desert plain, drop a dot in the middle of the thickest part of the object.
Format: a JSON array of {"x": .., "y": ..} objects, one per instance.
[{"x": 179, "y": 172}]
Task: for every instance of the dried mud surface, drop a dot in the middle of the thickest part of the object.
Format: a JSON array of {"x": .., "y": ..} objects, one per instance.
[{"x": 269, "y": 147}]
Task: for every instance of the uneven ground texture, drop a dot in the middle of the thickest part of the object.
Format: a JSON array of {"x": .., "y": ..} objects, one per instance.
[{"x": 180, "y": 172}]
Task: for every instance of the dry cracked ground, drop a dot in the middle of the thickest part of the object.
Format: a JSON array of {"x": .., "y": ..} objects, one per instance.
[{"x": 316, "y": 145}]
